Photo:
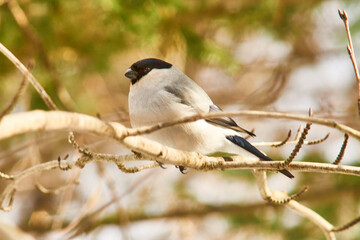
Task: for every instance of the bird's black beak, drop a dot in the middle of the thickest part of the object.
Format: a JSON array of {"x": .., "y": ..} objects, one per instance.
[{"x": 131, "y": 74}]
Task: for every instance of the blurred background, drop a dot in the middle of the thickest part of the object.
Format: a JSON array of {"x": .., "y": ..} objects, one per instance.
[{"x": 273, "y": 55}]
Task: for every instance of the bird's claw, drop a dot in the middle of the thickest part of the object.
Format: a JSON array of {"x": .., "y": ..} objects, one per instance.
[
  {"x": 182, "y": 169},
  {"x": 161, "y": 165}
]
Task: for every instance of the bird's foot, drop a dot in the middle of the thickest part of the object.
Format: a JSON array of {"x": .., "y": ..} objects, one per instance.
[
  {"x": 182, "y": 169},
  {"x": 161, "y": 165}
]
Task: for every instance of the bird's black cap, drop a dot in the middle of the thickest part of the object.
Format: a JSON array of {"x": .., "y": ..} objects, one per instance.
[{"x": 143, "y": 67}]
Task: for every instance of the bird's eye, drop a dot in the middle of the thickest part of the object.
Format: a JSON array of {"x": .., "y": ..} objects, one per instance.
[{"x": 147, "y": 69}]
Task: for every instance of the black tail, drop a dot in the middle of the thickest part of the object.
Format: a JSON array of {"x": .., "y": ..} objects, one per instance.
[{"x": 241, "y": 142}]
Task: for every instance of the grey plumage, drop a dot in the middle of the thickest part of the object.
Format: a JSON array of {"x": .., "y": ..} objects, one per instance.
[{"x": 161, "y": 93}]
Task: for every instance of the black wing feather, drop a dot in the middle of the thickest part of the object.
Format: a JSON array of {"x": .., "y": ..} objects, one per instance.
[
  {"x": 226, "y": 122},
  {"x": 241, "y": 142}
]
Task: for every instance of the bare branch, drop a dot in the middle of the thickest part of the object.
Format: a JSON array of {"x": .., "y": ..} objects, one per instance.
[
  {"x": 346, "y": 225},
  {"x": 28, "y": 76},
  {"x": 342, "y": 150},
  {"x": 11, "y": 200},
  {"x": 317, "y": 141},
  {"x": 324, "y": 225},
  {"x": 298, "y": 133},
  {"x": 44, "y": 190},
  {"x": 276, "y": 115},
  {"x": 274, "y": 196},
  {"x": 288, "y": 199},
  {"x": 9, "y": 191},
  {"x": 272, "y": 144},
  {"x": 16, "y": 97},
  {"x": 55, "y": 120},
  {"x": 351, "y": 52},
  {"x": 136, "y": 169},
  {"x": 298, "y": 145},
  {"x": 282, "y": 142}
]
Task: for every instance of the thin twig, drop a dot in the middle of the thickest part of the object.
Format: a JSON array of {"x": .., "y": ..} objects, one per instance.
[
  {"x": 298, "y": 145},
  {"x": 351, "y": 52},
  {"x": 317, "y": 141},
  {"x": 11, "y": 200},
  {"x": 136, "y": 169},
  {"x": 276, "y": 115},
  {"x": 298, "y": 133},
  {"x": 17, "y": 95},
  {"x": 28, "y": 76},
  {"x": 38, "y": 45},
  {"x": 270, "y": 144},
  {"x": 9, "y": 190},
  {"x": 283, "y": 142},
  {"x": 346, "y": 225},
  {"x": 55, "y": 191},
  {"x": 342, "y": 150},
  {"x": 77, "y": 225},
  {"x": 288, "y": 199}
]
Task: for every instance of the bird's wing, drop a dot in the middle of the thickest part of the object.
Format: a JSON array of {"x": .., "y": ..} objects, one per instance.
[
  {"x": 196, "y": 99},
  {"x": 241, "y": 142},
  {"x": 226, "y": 122}
]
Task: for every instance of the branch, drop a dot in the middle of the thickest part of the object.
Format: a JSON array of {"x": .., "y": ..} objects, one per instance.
[
  {"x": 274, "y": 196},
  {"x": 38, "y": 120},
  {"x": 37, "y": 44},
  {"x": 298, "y": 145},
  {"x": 276, "y": 115},
  {"x": 10, "y": 189},
  {"x": 342, "y": 150},
  {"x": 286, "y": 142},
  {"x": 351, "y": 52},
  {"x": 27, "y": 74},
  {"x": 16, "y": 97}
]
